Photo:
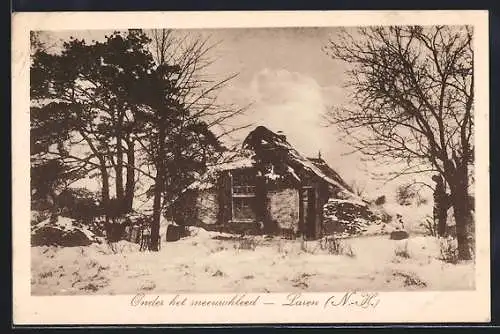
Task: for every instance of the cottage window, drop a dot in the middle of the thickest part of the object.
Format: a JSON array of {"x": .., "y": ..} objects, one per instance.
[
  {"x": 243, "y": 209},
  {"x": 243, "y": 195}
]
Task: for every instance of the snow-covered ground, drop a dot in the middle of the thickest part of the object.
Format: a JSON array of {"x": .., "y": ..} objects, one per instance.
[{"x": 200, "y": 263}]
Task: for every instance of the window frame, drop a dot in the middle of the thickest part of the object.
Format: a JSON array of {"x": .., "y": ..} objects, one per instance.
[{"x": 243, "y": 196}]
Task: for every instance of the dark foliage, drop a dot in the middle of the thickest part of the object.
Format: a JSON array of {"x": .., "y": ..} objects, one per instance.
[
  {"x": 55, "y": 236},
  {"x": 79, "y": 204},
  {"x": 347, "y": 217}
]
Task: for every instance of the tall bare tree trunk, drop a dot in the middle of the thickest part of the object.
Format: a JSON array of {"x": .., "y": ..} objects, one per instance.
[
  {"x": 463, "y": 214},
  {"x": 130, "y": 185},
  {"x": 463, "y": 220},
  {"x": 441, "y": 205},
  {"x": 158, "y": 190},
  {"x": 119, "y": 162},
  {"x": 105, "y": 190}
]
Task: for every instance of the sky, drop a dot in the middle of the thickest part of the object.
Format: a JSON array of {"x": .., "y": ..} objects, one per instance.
[{"x": 289, "y": 83}]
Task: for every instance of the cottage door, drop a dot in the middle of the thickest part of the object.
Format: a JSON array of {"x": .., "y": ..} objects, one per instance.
[{"x": 307, "y": 212}]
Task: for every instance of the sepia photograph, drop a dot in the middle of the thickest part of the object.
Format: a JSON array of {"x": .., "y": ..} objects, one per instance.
[{"x": 253, "y": 160}]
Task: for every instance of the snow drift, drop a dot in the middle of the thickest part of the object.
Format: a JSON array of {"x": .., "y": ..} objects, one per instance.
[{"x": 61, "y": 232}]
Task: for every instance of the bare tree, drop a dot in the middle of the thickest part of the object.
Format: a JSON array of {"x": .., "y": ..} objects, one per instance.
[
  {"x": 133, "y": 93},
  {"x": 181, "y": 148},
  {"x": 359, "y": 187},
  {"x": 412, "y": 104}
]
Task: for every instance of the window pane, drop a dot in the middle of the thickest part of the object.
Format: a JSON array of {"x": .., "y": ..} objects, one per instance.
[
  {"x": 243, "y": 189},
  {"x": 244, "y": 208},
  {"x": 244, "y": 178}
]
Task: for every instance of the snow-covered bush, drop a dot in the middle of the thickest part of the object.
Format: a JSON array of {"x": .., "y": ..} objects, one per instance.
[
  {"x": 61, "y": 232},
  {"x": 448, "y": 250},
  {"x": 347, "y": 217},
  {"x": 37, "y": 216}
]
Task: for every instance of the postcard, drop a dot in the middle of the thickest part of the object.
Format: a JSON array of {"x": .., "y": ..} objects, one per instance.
[{"x": 250, "y": 167}]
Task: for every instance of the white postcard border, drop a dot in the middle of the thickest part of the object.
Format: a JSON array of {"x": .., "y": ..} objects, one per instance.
[{"x": 429, "y": 306}]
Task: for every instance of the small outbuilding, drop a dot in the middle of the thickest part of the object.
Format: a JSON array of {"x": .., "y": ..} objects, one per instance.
[{"x": 266, "y": 187}]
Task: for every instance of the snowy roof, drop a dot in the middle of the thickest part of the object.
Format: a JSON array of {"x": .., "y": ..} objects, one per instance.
[
  {"x": 263, "y": 138},
  {"x": 228, "y": 161},
  {"x": 328, "y": 171},
  {"x": 234, "y": 164}
]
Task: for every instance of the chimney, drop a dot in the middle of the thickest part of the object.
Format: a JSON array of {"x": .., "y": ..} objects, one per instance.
[{"x": 281, "y": 135}]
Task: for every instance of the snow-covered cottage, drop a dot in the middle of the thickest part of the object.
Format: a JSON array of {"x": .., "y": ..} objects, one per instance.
[{"x": 266, "y": 187}]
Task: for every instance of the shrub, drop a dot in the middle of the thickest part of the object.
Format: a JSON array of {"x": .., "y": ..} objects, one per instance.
[
  {"x": 39, "y": 216},
  {"x": 281, "y": 247},
  {"x": 218, "y": 273},
  {"x": 78, "y": 203},
  {"x": 56, "y": 235},
  {"x": 287, "y": 233},
  {"x": 219, "y": 248},
  {"x": 448, "y": 250},
  {"x": 410, "y": 193},
  {"x": 401, "y": 250},
  {"x": 46, "y": 274},
  {"x": 430, "y": 226},
  {"x": 303, "y": 246},
  {"x": 90, "y": 287},
  {"x": 330, "y": 244},
  {"x": 347, "y": 250},
  {"x": 347, "y": 216},
  {"x": 148, "y": 285},
  {"x": 405, "y": 194},
  {"x": 308, "y": 247},
  {"x": 381, "y": 200},
  {"x": 382, "y": 216},
  {"x": 411, "y": 279},
  {"x": 301, "y": 280},
  {"x": 336, "y": 246},
  {"x": 247, "y": 243}
]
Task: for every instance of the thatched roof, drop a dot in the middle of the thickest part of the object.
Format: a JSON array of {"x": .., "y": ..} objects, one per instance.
[
  {"x": 329, "y": 171},
  {"x": 264, "y": 141}
]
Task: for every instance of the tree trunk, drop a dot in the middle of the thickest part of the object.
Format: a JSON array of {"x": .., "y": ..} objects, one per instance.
[
  {"x": 158, "y": 191},
  {"x": 119, "y": 162},
  {"x": 130, "y": 185},
  {"x": 441, "y": 226},
  {"x": 105, "y": 189},
  {"x": 155, "y": 224},
  {"x": 442, "y": 216},
  {"x": 224, "y": 198},
  {"x": 465, "y": 234},
  {"x": 463, "y": 216},
  {"x": 440, "y": 205}
]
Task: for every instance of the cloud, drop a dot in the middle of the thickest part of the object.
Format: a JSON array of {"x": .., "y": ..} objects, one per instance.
[
  {"x": 295, "y": 103},
  {"x": 291, "y": 102}
]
